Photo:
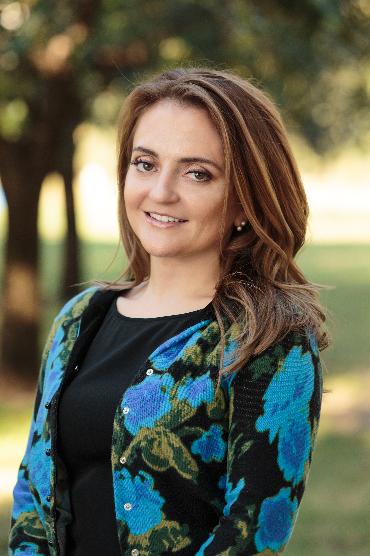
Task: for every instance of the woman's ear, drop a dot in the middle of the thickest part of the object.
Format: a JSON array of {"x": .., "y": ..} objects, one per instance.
[{"x": 240, "y": 218}]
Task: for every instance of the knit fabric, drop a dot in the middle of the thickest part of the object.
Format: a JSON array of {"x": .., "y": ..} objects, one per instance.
[
  {"x": 196, "y": 469},
  {"x": 86, "y": 412}
]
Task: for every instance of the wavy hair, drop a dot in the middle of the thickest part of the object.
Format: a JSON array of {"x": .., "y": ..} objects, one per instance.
[{"x": 260, "y": 286}]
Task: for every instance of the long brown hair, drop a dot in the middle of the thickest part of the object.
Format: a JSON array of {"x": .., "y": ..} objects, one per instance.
[{"x": 260, "y": 284}]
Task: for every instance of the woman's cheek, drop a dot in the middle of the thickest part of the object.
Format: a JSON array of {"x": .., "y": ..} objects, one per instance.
[{"x": 133, "y": 196}]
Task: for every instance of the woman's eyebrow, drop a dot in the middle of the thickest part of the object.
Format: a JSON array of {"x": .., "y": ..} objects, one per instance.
[
  {"x": 143, "y": 150},
  {"x": 182, "y": 160},
  {"x": 201, "y": 161}
]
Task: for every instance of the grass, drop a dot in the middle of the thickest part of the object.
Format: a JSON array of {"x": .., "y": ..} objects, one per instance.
[
  {"x": 347, "y": 269},
  {"x": 334, "y": 517},
  {"x": 344, "y": 267}
]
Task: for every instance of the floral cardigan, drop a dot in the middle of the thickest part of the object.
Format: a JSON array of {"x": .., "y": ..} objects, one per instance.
[{"x": 196, "y": 469}]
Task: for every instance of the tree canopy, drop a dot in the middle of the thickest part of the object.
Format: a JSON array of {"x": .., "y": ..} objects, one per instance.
[
  {"x": 65, "y": 61},
  {"x": 313, "y": 56}
]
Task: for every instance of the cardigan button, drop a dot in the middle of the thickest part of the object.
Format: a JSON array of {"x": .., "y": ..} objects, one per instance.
[
  {"x": 50, "y": 543},
  {"x": 76, "y": 368},
  {"x": 48, "y": 405},
  {"x": 135, "y": 552},
  {"x": 122, "y": 459},
  {"x": 126, "y": 410},
  {"x": 127, "y": 506},
  {"x": 149, "y": 372},
  {"x": 48, "y": 452},
  {"x": 48, "y": 498}
]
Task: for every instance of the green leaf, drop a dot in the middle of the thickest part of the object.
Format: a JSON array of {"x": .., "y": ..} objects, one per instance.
[{"x": 161, "y": 449}]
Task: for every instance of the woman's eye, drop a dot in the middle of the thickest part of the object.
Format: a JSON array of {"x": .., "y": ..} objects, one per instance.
[
  {"x": 143, "y": 165},
  {"x": 200, "y": 176}
]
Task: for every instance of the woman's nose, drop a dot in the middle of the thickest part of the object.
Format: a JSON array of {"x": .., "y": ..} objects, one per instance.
[{"x": 164, "y": 189}]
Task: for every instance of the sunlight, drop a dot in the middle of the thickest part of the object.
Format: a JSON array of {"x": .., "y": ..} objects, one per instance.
[{"x": 97, "y": 204}]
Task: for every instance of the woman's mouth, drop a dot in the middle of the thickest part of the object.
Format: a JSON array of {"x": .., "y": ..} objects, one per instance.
[{"x": 163, "y": 218}]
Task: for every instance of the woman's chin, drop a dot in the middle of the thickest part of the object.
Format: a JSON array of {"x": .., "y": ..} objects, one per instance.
[
  {"x": 171, "y": 252},
  {"x": 162, "y": 254},
  {"x": 180, "y": 252},
  {"x": 162, "y": 251}
]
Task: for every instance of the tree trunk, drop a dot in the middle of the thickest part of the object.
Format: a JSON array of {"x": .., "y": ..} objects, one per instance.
[
  {"x": 71, "y": 250},
  {"x": 48, "y": 146},
  {"x": 21, "y": 298}
]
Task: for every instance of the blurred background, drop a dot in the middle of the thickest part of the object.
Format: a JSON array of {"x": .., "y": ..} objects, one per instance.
[{"x": 65, "y": 68}]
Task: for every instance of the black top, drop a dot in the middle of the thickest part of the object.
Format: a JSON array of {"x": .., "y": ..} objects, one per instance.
[{"x": 86, "y": 414}]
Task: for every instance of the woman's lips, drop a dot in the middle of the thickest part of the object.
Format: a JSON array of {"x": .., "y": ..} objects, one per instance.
[{"x": 160, "y": 223}]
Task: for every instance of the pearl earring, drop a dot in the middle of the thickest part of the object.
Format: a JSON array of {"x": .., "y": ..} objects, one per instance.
[{"x": 239, "y": 228}]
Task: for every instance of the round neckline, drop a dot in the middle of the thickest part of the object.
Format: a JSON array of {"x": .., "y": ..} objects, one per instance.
[{"x": 208, "y": 310}]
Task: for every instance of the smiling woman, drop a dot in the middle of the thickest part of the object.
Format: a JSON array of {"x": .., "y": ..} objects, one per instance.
[
  {"x": 202, "y": 358},
  {"x": 174, "y": 197}
]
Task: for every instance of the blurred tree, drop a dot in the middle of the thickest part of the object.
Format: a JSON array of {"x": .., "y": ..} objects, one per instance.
[
  {"x": 63, "y": 61},
  {"x": 314, "y": 58},
  {"x": 59, "y": 63},
  {"x": 40, "y": 109}
]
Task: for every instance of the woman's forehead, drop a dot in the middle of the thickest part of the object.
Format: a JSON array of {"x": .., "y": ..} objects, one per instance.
[{"x": 175, "y": 127}]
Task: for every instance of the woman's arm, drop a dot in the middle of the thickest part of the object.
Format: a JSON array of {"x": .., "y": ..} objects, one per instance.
[
  {"x": 27, "y": 532},
  {"x": 31, "y": 527},
  {"x": 274, "y": 412}
]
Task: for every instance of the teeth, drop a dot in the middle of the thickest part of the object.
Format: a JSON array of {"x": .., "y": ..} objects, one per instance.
[{"x": 164, "y": 218}]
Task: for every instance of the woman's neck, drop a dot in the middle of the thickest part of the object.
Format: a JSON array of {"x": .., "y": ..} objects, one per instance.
[{"x": 174, "y": 287}]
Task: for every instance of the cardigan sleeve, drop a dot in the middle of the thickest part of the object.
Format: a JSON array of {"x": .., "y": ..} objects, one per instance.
[
  {"x": 31, "y": 529},
  {"x": 27, "y": 531},
  {"x": 274, "y": 410}
]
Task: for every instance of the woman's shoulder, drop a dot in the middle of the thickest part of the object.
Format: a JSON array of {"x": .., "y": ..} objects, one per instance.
[
  {"x": 76, "y": 306},
  {"x": 294, "y": 354}
]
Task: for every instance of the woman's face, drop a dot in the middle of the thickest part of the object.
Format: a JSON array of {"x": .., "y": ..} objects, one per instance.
[{"x": 175, "y": 185}]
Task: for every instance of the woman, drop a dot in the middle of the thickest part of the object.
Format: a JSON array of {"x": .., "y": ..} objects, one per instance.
[{"x": 204, "y": 363}]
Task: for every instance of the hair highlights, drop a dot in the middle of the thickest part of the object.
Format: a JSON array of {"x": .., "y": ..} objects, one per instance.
[{"x": 260, "y": 285}]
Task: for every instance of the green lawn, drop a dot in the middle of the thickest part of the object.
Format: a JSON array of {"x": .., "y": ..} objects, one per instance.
[
  {"x": 344, "y": 267},
  {"x": 347, "y": 269},
  {"x": 334, "y": 519}
]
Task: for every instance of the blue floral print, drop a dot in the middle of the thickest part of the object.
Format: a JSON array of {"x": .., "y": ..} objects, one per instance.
[
  {"x": 222, "y": 482},
  {"x": 54, "y": 365},
  {"x": 147, "y": 402},
  {"x": 294, "y": 449},
  {"x": 198, "y": 390},
  {"x": 23, "y": 501},
  {"x": 26, "y": 549},
  {"x": 275, "y": 521},
  {"x": 286, "y": 413},
  {"x": 76, "y": 298},
  {"x": 210, "y": 445},
  {"x": 230, "y": 494},
  {"x": 57, "y": 342},
  {"x": 207, "y": 543},
  {"x": 56, "y": 348},
  {"x": 313, "y": 342},
  {"x": 138, "y": 503},
  {"x": 226, "y": 381},
  {"x": 165, "y": 354},
  {"x": 289, "y": 391},
  {"x": 167, "y": 438},
  {"x": 39, "y": 473},
  {"x": 230, "y": 352},
  {"x": 55, "y": 377}
]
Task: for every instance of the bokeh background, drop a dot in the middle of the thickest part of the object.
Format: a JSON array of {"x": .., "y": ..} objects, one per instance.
[{"x": 65, "y": 68}]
